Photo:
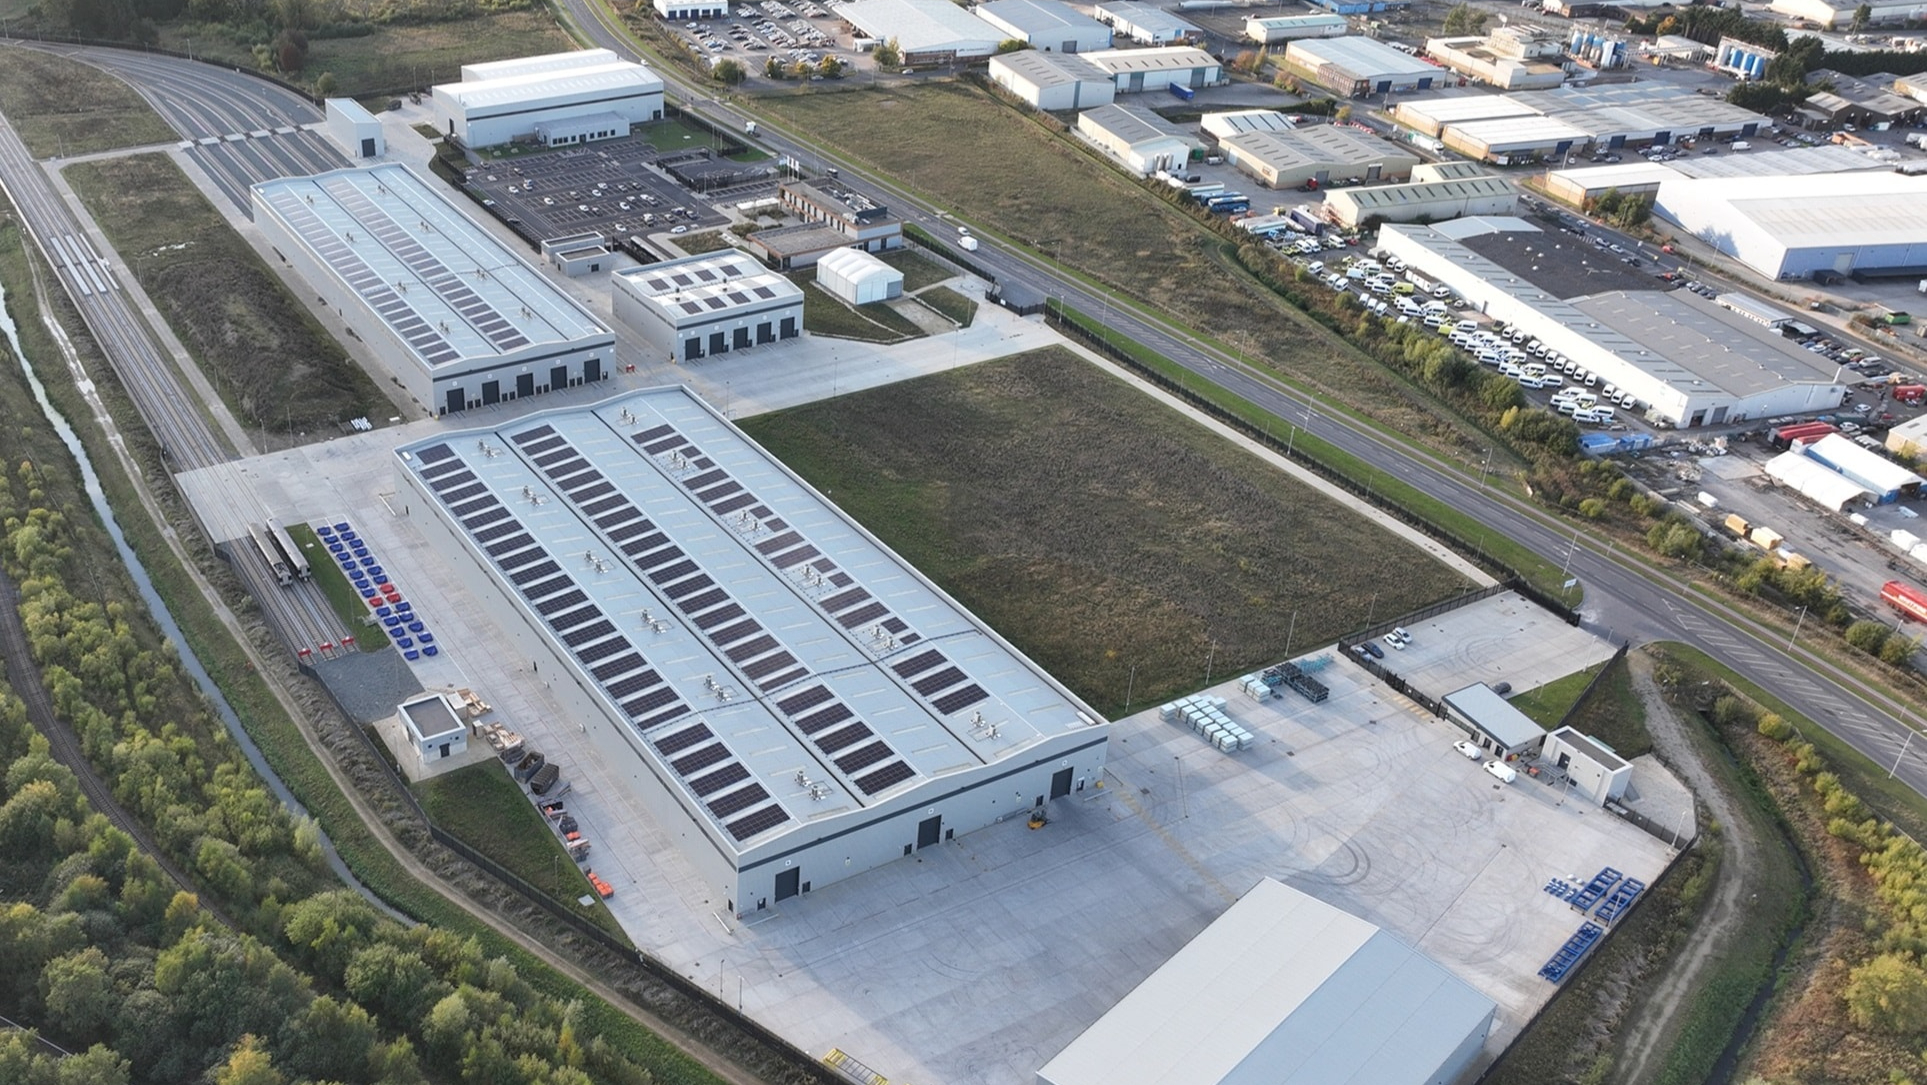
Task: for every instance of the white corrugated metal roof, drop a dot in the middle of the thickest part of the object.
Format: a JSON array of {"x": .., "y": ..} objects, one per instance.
[
  {"x": 1362, "y": 57},
  {"x": 1283, "y": 989},
  {"x": 922, "y": 26},
  {"x": 1495, "y": 716},
  {"x": 857, "y": 266},
  {"x": 548, "y": 62},
  {"x": 1815, "y": 481},
  {"x": 529, "y": 89},
  {"x": 1834, "y": 210},
  {"x": 1161, "y": 58},
  {"x": 1448, "y": 110}
]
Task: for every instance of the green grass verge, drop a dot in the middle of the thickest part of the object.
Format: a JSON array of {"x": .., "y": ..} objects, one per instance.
[
  {"x": 1548, "y": 704},
  {"x": 1614, "y": 714},
  {"x": 824, "y": 314},
  {"x": 1175, "y": 553},
  {"x": 709, "y": 241},
  {"x": 676, "y": 134},
  {"x": 956, "y": 308},
  {"x": 348, "y": 604},
  {"x": 484, "y": 807},
  {"x": 1543, "y": 574},
  {"x": 918, "y": 270},
  {"x": 63, "y": 107},
  {"x": 260, "y": 712}
]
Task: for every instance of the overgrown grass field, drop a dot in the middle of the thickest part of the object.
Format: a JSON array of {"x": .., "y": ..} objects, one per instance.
[
  {"x": 1096, "y": 529},
  {"x": 918, "y": 270},
  {"x": 64, "y": 107},
  {"x": 825, "y": 314},
  {"x": 958, "y": 309},
  {"x": 275, "y": 366}
]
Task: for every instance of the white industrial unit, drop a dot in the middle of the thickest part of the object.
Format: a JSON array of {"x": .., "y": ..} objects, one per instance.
[
  {"x": 1510, "y": 58},
  {"x": 1284, "y": 989},
  {"x": 1355, "y": 67},
  {"x": 1506, "y": 140},
  {"x": 1236, "y": 122},
  {"x": 1318, "y": 153},
  {"x": 707, "y": 304},
  {"x": 1594, "y": 770},
  {"x": 1688, "y": 361},
  {"x": 1430, "y": 201},
  {"x": 1579, "y": 184},
  {"x": 1838, "y": 14},
  {"x": 1147, "y": 24},
  {"x": 1048, "y": 26},
  {"x": 1138, "y": 141},
  {"x": 1795, "y": 227},
  {"x": 459, "y": 319},
  {"x": 857, "y": 277},
  {"x": 927, "y": 31},
  {"x": 1135, "y": 70},
  {"x": 482, "y": 71},
  {"x": 1053, "y": 81},
  {"x": 355, "y": 130},
  {"x": 685, "y": 10},
  {"x": 792, "y": 702},
  {"x": 1269, "y": 30},
  {"x": 1495, "y": 725},
  {"x": 433, "y": 727},
  {"x": 564, "y": 87},
  {"x": 1431, "y": 116}
]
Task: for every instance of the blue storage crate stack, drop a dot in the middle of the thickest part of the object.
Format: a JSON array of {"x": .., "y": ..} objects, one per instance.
[
  {"x": 1572, "y": 952},
  {"x": 1205, "y": 715},
  {"x": 1561, "y": 888},
  {"x": 395, "y": 613},
  {"x": 1601, "y": 884},
  {"x": 1621, "y": 899}
]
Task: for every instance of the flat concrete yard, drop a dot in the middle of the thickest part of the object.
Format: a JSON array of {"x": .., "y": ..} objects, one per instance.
[{"x": 1502, "y": 639}]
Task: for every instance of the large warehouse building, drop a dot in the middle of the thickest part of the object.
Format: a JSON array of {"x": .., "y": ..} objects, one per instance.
[
  {"x": 1429, "y": 201},
  {"x": 1272, "y": 29},
  {"x": 1356, "y": 67},
  {"x": 1318, "y": 153},
  {"x": 1688, "y": 361},
  {"x": 1581, "y": 183},
  {"x": 460, "y": 320},
  {"x": 793, "y": 703},
  {"x": 1147, "y": 24},
  {"x": 707, "y": 304},
  {"x": 1839, "y": 14},
  {"x": 1284, "y": 989},
  {"x": 1053, "y": 81},
  {"x": 1048, "y": 26},
  {"x": 927, "y": 31},
  {"x": 557, "y": 99},
  {"x": 1135, "y": 70},
  {"x": 1799, "y": 227}
]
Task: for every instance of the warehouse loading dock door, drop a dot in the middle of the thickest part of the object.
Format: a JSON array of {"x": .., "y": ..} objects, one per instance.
[
  {"x": 452, "y": 402},
  {"x": 592, "y": 370},
  {"x": 787, "y": 882},
  {"x": 491, "y": 393},
  {"x": 929, "y": 831},
  {"x": 558, "y": 378},
  {"x": 1060, "y": 783},
  {"x": 524, "y": 384}
]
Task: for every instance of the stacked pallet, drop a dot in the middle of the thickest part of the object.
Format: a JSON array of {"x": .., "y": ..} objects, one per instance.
[{"x": 1206, "y": 717}]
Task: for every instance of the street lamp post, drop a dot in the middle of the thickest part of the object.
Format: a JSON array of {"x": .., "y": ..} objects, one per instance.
[
  {"x": 1796, "y": 629},
  {"x": 1901, "y": 754},
  {"x": 1487, "y": 466}
]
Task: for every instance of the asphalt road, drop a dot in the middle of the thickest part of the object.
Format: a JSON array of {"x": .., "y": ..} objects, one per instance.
[{"x": 1625, "y": 598}]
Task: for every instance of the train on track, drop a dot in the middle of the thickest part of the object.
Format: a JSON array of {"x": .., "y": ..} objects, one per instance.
[
  {"x": 297, "y": 562},
  {"x": 270, "y": 554}
]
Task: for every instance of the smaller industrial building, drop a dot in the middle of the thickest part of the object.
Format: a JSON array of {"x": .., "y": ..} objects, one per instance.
[
  {"x": 1361, "y": 7},
  {"x": 1450, "y": 170},
  {"x": 355, "y": 130},
  {"x": 1494, "y": 724},
  {"x": 1147, "y": 24},
  {"x": 1048, "y": 26},
  {"x": 434, "y": 729},
  {"x": 1816, "y": 482},
  {"x": 1909, "y": 438},
  {"x": 1139, "y": 141},
  {"x": 1237, "y": 122},
  {"x": 833, "y": 218},
  {"x": 560, "y": 99},
  {"x": 1742, "y": 60},
  {"x": 1838, "y": 14},
  {"x": 1579, "y": 185},
  {"x": 707, "y": 304},
  {"x": 1886, "y": 480},
  {"x": 1506, "y": 141},
  {"x": 1137, "y": 70},
  {"x": 1431, "y": 116},
  {"x": 685, "y": 10},
  {"x": 1512, "y": 57},
  {"x": 1053, "y": 81},
  {"x": 1357, "y": 67},
  {"x": 858, "y": 278},
  {"x": 926, "y": 31},
  {"x": 1871, "y": 224},
  {"x": 1284, "y": 989},
  {"x": 1317, "y": 154},
  {"x": 1591, "y": 767},
  {"x": 1861, "y": 102},
  {"x": 1429, "y": 201},
  {"x": 1270, "y": 30}
]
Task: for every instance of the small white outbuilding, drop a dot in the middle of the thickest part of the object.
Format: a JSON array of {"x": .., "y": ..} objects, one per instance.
[{"x": 858, "y": 277}]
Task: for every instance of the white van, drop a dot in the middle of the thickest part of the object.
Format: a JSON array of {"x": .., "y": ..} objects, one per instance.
[
  {"x": 1466, "y": 326},
  {"x": 1503, "y": 772}
]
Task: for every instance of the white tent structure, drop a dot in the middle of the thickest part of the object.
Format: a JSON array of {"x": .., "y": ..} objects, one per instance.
[
  {"x": 858, "y": 277},
  {"x": 1814, "y": 481},
  {"x": 1886, "y": 479}
]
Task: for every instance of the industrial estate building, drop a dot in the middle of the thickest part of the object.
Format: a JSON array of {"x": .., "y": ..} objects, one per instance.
[
  {"x": 1049, "y": 26},
  {"x": 1284, "y": 989},
  {"x": 1270, "y": 30},
  {"x": 707, "y": 304},
  {"x": 1550, "y": 124},
  {"x": 1802, "y": 227},
  {"x": 1053, "y": 81},
  {"x": 1316, "y": 154},
  {"x": 459, "y": 319},
  {"x": 1494, "y": 724},
  {"x": 858, "y": 278},
  {"x": 1838, "y": 14},
  {"x": 1237, "y": 122},
  {"x": 792, "y": 702},
  {"x": 355, "y": 130},
  {"x": 1431, "y": 116},
  {"x": 833, "y": 218},
  {"x": 1355, "y": 67},
  {"x": 1592, "y": 769},
  {"x": 1847, "y": 100},
  {"x": 1507, "y": 140},
  {"x": 1689, "y": 361},
  {"x": 1140, "y": 141},
  {"x": 1421, "y": 201},
  {"x": 1513, "y": 57},
  {"x": 1580, "y": 184},
  {"x": 1135, "y": 70},
  {"x": 927, "y": 31},
  {"x": 555, "y": 100},
  {"x": 1147, "y": 24},
  {"x": 684, "y": 10}
]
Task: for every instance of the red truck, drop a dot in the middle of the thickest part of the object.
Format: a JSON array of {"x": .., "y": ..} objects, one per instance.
[
  {"x": 1906, "y": 599},
  {"x": 1910, "y": 393}
]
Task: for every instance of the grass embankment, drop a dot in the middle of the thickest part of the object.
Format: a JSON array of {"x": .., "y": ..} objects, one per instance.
[
  {"x": 918, "y": 270},
  {"x": 962, "y": 147},
  {"x": 1096, "y": 529},
  {"x": 484, "y": 806},
  {"x": 63, "y": 107},
  {"x": 1548, "y": 704},
  {"x": 275, "y": 366},
  {"x": 826, "y": 314},
  {"x": 1614, "y": 715},
  {"x": 261, "y": 713},
  {"x": 949, "y": 304},
  {"x": 348, "y": 604}
]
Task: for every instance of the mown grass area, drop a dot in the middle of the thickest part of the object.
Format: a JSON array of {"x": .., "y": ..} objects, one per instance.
[
  {"x": 63, "y": 107},
  {"x": 961, "y": 147},
  {"x": 918, "y": 270},
  {"x": 709, "y": 241},
  {"x": 958, "y": 309},
  {"x": 1614, "y": 714},
  {"x": 1096, "y": 529},
  {"x": 1543, "y": 573},
  {"x": 274, "y": 365},
  {"x": 484, "y": 806},
  {"x": 393, "y": 57},
  {"x": 824, "y": 314},
  {"x": 348, "y": 604},
  {"x": 246, "y": 690},
  {"x": 1548, "y": 704}
]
